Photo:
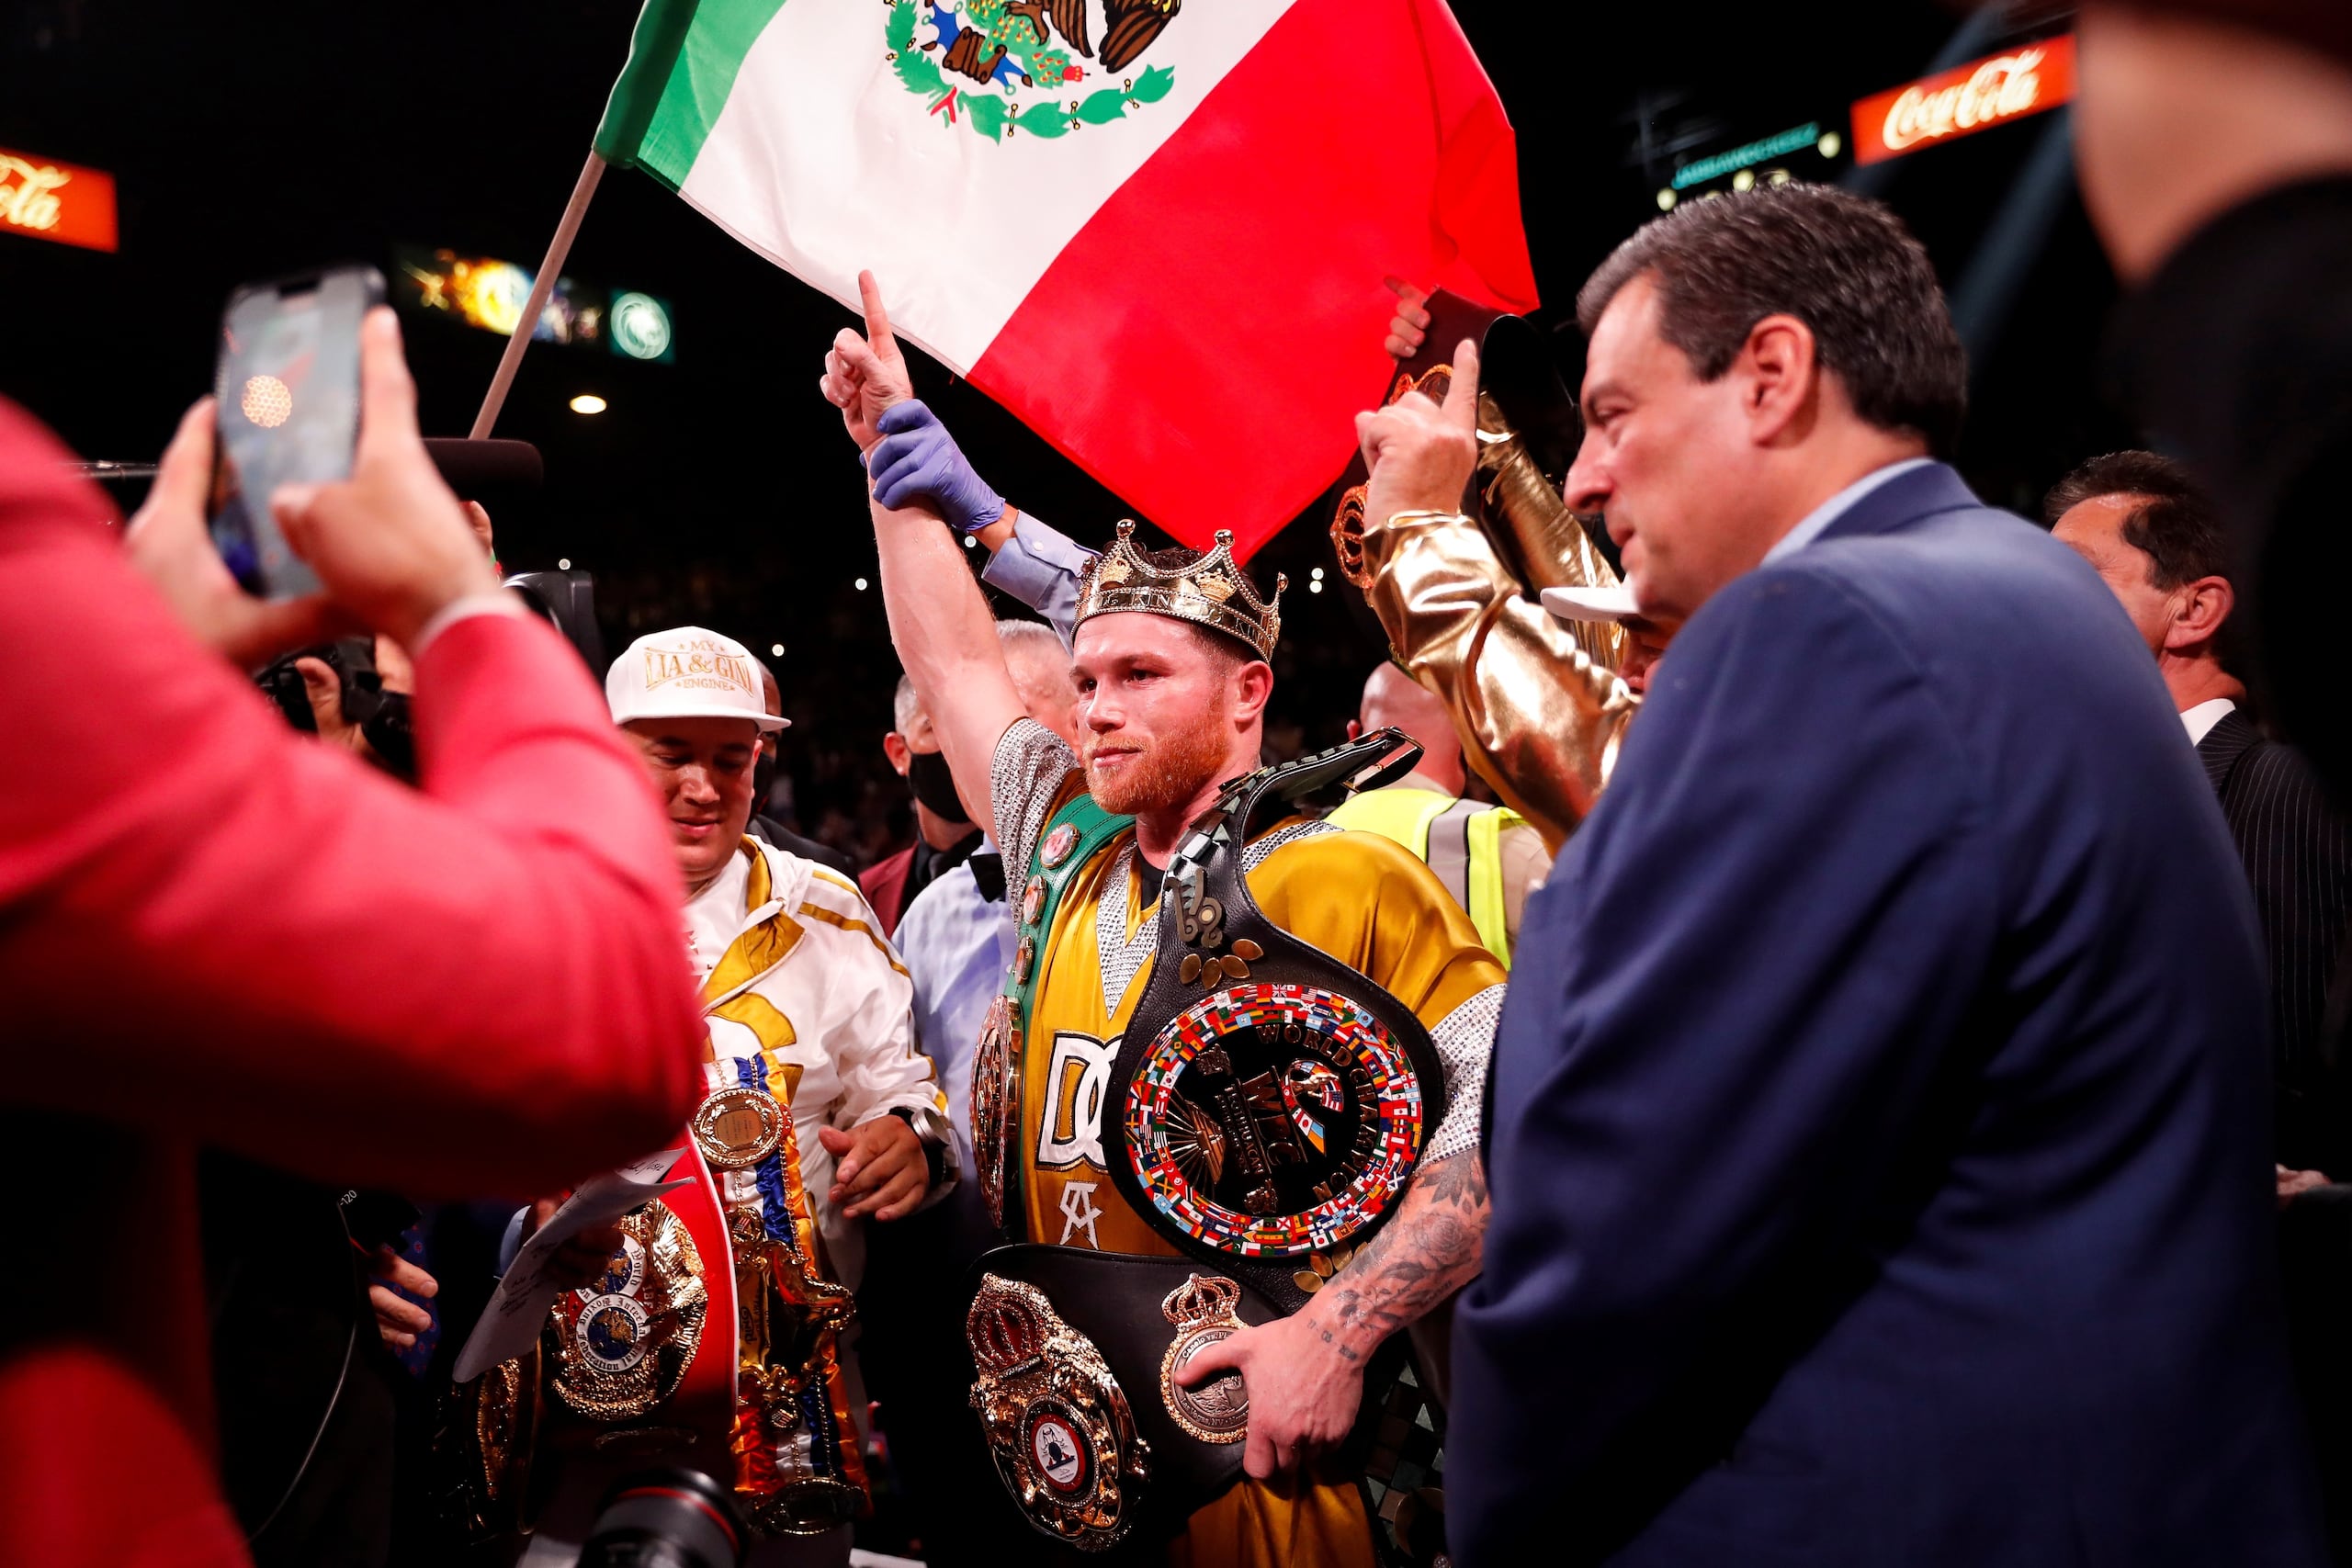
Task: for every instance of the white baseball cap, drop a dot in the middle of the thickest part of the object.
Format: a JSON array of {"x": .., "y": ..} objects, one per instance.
[
  {"x": 1607, "y": 605},
  {"x": 688, "y": 674}
]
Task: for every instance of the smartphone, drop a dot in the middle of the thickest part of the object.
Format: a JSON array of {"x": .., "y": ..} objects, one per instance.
[{"x": 287, "y": 387}]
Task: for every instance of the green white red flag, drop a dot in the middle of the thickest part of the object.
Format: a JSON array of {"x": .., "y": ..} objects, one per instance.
[{"x": 1156, "y": 234}]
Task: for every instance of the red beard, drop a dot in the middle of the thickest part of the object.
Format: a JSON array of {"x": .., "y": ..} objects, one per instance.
[{"x": 1169, "y": 772}]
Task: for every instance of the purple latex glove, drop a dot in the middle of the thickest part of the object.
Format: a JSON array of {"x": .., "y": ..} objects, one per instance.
[{"x": 918, "y": 461}]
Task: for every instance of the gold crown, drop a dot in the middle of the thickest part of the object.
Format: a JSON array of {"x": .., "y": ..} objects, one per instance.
[
  {"x": 1203, "y": 1298},
  {"x": 1008, "y": 1326},
  {"x": 1212, "y": 591}
]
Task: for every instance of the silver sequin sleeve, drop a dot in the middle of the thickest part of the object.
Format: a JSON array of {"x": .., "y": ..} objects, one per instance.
[
  {"x": 1030, "y": 764},
  {"x": 1465, "y": 1039}
]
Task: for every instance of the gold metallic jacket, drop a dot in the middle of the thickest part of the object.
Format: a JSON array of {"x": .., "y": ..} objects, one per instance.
[{"x": 1536, "y": 701}]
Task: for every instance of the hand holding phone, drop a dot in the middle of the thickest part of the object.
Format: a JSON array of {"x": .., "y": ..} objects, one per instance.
[
  {"x": 169, "y": 545},
  {"x": 391, "y": 545},
  {"x": 288, "y": 390}
]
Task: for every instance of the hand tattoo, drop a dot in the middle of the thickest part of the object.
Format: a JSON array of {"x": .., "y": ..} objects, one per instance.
[{"x": 1430, "y": 1250}]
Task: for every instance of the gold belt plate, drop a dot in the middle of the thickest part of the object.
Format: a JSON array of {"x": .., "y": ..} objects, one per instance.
[
  {"x": 1202, "y": 1310},
  {"x": 738, "y": 1127},
  {"x": 1057, "y": 1423}
]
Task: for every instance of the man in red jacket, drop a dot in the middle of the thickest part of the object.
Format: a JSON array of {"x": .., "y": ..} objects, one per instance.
[{"x": 213, "y": 930}]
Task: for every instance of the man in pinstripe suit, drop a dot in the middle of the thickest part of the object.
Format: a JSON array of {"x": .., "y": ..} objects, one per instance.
[{"x": 2157, "y": 540}]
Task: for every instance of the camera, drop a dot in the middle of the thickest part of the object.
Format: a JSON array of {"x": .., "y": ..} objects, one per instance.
[
  {"x": 382, "y": 717},
  {"x": 665, "y": 1518}
]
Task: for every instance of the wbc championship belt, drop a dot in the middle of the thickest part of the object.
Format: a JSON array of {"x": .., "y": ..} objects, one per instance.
[{"x": 1272, "y": 1102}]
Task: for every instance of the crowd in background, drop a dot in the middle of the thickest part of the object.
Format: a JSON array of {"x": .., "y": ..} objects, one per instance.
[
  {"x": 224, "y": 944},
  {"x": 833, "y": 782}
]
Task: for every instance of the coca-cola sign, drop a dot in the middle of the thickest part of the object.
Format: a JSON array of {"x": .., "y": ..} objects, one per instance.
[
  {"x": 49, "y": 200},
  {"x": 1961, "y": 102}
]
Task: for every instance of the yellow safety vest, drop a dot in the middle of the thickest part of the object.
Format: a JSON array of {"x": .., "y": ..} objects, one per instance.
[{"x": 1460, "y": 839}]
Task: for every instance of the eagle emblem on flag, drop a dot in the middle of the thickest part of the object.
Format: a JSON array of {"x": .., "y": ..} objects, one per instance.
[{"x": 1038, "y": 67}]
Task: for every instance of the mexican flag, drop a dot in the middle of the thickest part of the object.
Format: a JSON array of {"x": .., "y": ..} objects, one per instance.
[{"x": 1156, "y": 231}]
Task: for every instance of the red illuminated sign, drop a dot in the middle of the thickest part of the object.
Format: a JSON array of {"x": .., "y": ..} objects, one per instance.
[
  {"x": 2025, "y": 81},
  {"x": 49, "y": 200}
]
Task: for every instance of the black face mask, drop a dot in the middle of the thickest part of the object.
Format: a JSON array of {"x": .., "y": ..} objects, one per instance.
[{"x": 934, "y": 785}]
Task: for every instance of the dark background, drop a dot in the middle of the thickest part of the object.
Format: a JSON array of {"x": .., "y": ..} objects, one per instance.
[{"x": 254, "y": 140}]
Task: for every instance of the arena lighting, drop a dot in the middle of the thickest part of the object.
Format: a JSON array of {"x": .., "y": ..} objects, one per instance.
[
  {"x": 1744, "y": 180},
  {"x": 485, "y": 292},
  {"x": 1829, "y": 145},
  {"x": 861, "y": 586},
  {"x": 1699, "y": 171},
  {"x": 1965, "y": 99},
  {"x": 1666, "y": 200},
  {"x": 1314, "y": 587},
  {"x": 43, "y": 198},
  {"x": 1317, "y": 574},
  {"x": 776, "y": 648},
  {"x": 970, "y": 542},
  {"x": 564, "y": 565},
  {"x": 587, "y": 402}
]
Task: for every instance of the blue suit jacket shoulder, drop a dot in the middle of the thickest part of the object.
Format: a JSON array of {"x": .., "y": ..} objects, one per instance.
[{"x": 1879, "y": 1162}]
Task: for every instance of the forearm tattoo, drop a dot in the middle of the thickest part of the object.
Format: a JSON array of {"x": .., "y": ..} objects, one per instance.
[{"x": 1429, "y": 1251}]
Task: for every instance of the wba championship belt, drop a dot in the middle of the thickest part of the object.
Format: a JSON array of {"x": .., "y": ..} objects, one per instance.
[
  {"x": 1075, "y": 1354},
  {"x": 1273, "y": 1101}
]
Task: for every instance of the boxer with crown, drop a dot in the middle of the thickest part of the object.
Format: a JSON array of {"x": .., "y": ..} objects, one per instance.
[{"x": 1145, "y": 884}]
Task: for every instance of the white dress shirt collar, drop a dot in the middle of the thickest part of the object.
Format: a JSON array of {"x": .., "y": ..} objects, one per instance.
[
  {"x": 1829, "y": 511},
  {"x": 2199, "y": 720}
]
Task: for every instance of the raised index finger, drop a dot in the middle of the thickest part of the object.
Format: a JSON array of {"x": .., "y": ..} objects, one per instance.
[
  {"x": 877, "y": 320},
  {"x": 1461, "y": 407}
]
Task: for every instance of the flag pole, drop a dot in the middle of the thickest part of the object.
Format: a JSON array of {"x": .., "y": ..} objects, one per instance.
[{"x": 542, "y": 287}]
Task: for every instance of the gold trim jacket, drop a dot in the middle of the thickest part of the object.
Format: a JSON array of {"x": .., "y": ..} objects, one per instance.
[{"x": 810, "y": 986}]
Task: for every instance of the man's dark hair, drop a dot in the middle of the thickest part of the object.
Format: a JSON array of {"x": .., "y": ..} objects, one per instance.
[
  {"x": 2177, "y": 525},
  {"x": 1846, "y": 267}
]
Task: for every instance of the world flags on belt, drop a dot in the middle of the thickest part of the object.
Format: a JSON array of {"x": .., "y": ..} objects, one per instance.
[{"x": 1156, "y": 234}]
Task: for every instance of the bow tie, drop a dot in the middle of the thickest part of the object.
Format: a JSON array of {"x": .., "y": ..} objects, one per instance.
[{"x": 988, "y": 872}]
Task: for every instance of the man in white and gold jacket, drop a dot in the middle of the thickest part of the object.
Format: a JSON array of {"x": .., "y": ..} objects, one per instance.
[{"x": 818, "y": 1114}]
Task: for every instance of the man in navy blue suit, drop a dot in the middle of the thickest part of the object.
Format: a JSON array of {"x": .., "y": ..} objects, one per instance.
[{"x": 1880, "y": 1151}]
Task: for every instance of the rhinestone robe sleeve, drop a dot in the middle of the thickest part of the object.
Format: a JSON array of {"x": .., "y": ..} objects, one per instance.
[
  {"x": 1538, "y": 716},
  {"x": 1025, "y": 780},
  {"x": 1465, "y": 1039}
]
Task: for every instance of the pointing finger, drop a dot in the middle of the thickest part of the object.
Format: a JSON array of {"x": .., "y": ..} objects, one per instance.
[
  {"x": 877, "y": 320},
  {"x": 857, "y": 356},
  {"x": 1462, "y": 394}
]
